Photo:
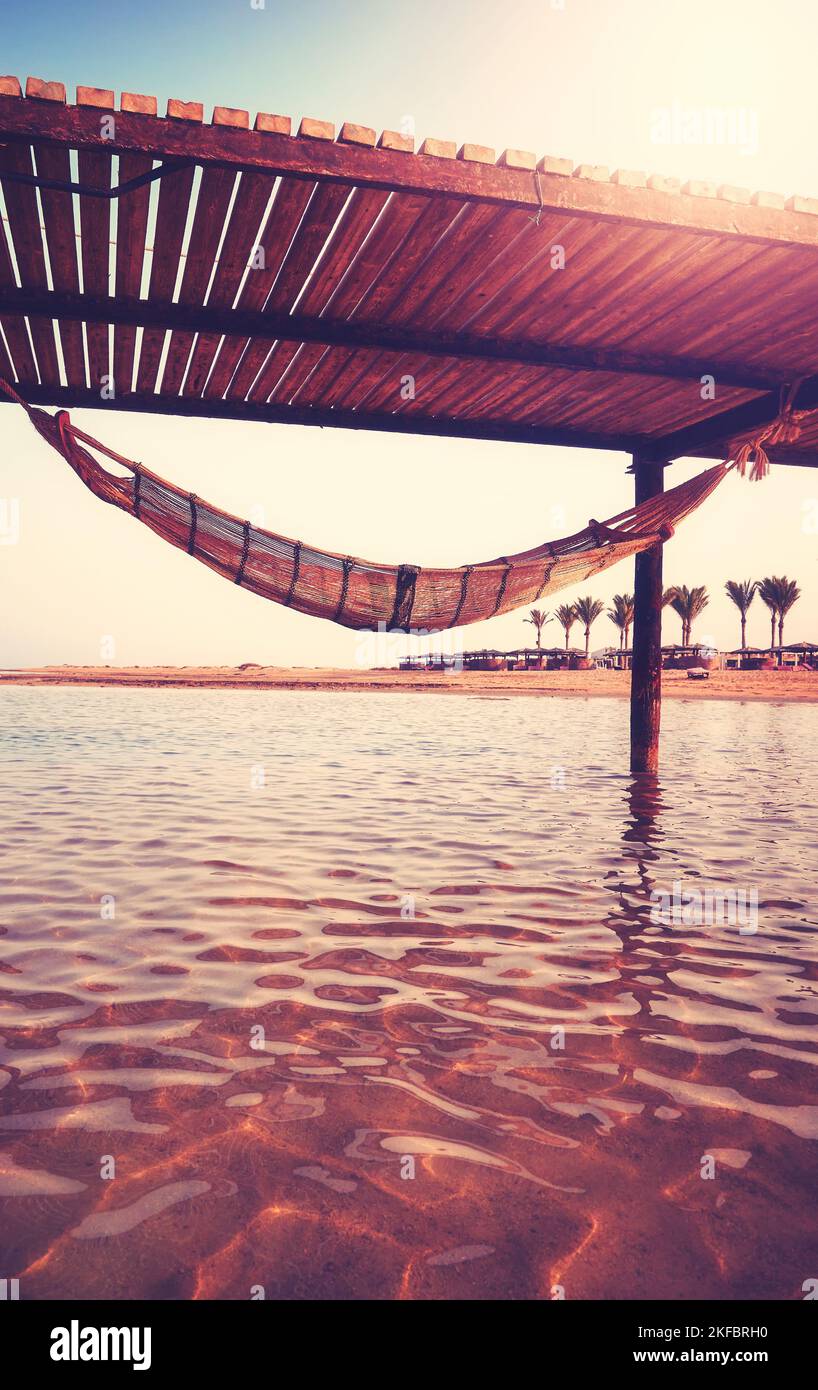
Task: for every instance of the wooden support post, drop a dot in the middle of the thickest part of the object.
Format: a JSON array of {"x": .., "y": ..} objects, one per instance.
[{"x": 646, "y": 666}]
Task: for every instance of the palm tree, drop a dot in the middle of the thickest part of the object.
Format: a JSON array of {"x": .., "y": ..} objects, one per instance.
[
  {"x": 616, "y": 616},
  {"x": 788, "y": 594},
  {"x": 628, "y": 608},
  {"x": 742, "y": 592},
  {"x": 588, "y": 610},
  {"x": 621, "y": 615},
  {"x": 566, "y": 616},
  {"x": 688, "y": 603},
  {"x": 779, "y": 594},
  {"x": 539, "y": 620},
  {"x": 616, "y": 613},
  {"x": 768, "y": 593}
]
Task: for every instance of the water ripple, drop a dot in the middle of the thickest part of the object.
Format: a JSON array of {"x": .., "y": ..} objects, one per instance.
[{"x": 326, "y": 992}]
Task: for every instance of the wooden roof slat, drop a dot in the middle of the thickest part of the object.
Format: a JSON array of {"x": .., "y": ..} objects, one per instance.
[
  {"x": 53, "y": 162},
  {"x": 408, "y": 260},
  {"x": 502, "y": 394},
  {"x": 324, "y": 208},
  {"x": 6, "y": 367},
  {"x": 215, "y": 192},
  {"x": 558, "y": 292},
  {"x": 351, "y": 377},
  {"x": 399, "y": 217},
  {"x": 291, "y": 199},
  {"x": 588, "y": 317},
  {"x": 279, "y": 361},
  {"x": 677, "y": 287},
  {"x": 362, "y": 211},
  {"x": 295, "y": 259},
  {"x": 239, "y": 243},
  {"x": 95, "y": 168},
  {"x": 311, "y": 389},
  {"x": 445, "y": 390},
  {"x": 754, "y": 287},
  {"x": 168, "y": 235},
  {"x": 481, "y": 277},
  {"x": 440, "y": 307},
  {"x": 536, "y": 282},
  {"x": 131, "y": 235},
  {"x": 14, "y": 327},
  {"x": 471, "y": 227},
  {"x": 434, "y": 381},
  {"x": 382, "y": 388},
  {"x": 558, "y": 394},
  {"x": 427, "y": 296},
  {"x": 491, "y": 390},
  {"x": 354, "y": 225},
  {"x": 385, "y": 379},
  {"x": 24, "y": 224},
  {"x": 352, "y": 374},
  {"x": 299, "y": 371}
]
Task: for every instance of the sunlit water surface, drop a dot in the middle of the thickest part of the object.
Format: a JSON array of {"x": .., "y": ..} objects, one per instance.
[{"x": 360, "y": 995}]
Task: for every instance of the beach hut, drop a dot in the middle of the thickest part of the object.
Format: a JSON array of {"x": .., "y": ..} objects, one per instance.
[
  {"x": 341, "y": 271},
  {"x": 527, "y": 659},
  {"x": 609, "y": 658},
  {"x": 755, "y": 658},
  {"x": 806, "y": 654},
  {"x": 695, "y": 655},
  {"x": 785, "y": 658},
  {"x": 741, "y": 657},
  {"x": 489, "y": 659}
]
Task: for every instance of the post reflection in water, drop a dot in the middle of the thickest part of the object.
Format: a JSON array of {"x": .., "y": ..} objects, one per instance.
[{"x": 399, "y": 1019}]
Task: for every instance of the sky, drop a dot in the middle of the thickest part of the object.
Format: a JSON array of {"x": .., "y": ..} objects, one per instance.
[{"x": 587, "y": 79}]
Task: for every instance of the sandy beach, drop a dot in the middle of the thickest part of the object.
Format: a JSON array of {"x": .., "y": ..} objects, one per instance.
[{"x": 797, "y": 686}]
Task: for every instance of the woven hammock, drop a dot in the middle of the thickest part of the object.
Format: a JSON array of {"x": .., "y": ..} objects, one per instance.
[{"x": 357, "y": 593}]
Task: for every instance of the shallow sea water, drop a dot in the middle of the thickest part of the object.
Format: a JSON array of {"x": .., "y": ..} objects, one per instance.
[{"x": 365, "y": 996}]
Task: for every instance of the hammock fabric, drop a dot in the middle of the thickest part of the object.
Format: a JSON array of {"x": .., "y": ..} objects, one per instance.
[{"x": 357, "y": 593}]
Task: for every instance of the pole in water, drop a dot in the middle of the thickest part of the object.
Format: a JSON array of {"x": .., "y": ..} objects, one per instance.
[{"x": 646, "y": 666}]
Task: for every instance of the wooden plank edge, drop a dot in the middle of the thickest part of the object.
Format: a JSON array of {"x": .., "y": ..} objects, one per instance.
[{"x": 725, "y": 211}]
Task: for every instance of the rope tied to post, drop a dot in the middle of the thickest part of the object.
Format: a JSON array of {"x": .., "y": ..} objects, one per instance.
[{"x": 784, "y": 429}]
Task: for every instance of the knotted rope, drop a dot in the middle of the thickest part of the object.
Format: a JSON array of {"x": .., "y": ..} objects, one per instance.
[{"x": 785, "y": 429}]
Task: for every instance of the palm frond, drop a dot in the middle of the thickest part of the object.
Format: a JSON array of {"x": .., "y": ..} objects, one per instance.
[{"x": 741, "y": 592}]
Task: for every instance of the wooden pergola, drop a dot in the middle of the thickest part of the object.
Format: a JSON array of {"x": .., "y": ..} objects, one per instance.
[{"x": 170, "y": 266}]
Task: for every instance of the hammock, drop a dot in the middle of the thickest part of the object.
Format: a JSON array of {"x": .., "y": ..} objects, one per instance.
[{"x": 357, "y": 593}]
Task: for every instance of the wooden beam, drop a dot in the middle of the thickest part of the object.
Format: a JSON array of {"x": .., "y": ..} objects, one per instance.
[
  {"x": 581, "y": 194},
  {"x": 196, "y": 407},
  {"x": 646, "y": 665},
  {"x": 214, "y": 408},
  {"x": 717, "y": 430},
  {"x": 272, "y": 327}
]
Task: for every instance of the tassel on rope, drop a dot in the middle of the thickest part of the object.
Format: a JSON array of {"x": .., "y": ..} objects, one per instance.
[{"x": 785, "y": 429}]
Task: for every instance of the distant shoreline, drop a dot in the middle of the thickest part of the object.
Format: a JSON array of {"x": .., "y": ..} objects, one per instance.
[{"x": 790, "y": 686}]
